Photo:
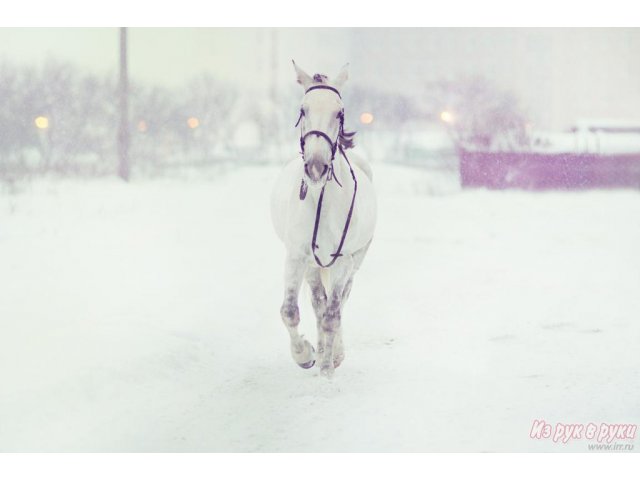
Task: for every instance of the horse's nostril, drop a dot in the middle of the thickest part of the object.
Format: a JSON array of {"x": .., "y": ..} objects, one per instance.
[{"x": 315, "y": 170}]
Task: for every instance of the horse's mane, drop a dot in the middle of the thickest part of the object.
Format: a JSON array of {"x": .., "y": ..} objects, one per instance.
[{"x": 345, "y": 138}]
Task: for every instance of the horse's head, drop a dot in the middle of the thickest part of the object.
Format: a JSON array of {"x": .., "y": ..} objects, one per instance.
[{"x": 321, "y": 121}]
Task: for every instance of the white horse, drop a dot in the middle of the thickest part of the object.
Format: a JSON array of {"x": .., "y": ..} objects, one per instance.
[{"x": 324, "y": 210}]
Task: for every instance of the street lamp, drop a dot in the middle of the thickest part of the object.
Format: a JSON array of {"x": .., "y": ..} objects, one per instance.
[
  {"x": 41, "y": 122},
  {"x": 366, "y": 118},
  {"x": 446, "y": 116},
  {"x": 193, "y": 122}
]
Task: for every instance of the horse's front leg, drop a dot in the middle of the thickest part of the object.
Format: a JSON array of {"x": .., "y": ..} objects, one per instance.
[
  {"x": 338, "y": 346},
  {"x": 301, "y": 350},
  {"x": 332, "y": 355},
  {"x": 319, "y": 303}
]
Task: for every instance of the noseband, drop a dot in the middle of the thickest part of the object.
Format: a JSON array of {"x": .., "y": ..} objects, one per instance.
[{"x": 303, "y": 186}]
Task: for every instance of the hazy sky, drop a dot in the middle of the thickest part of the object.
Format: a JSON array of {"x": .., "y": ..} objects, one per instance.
[{"x": 560, "y": 75}]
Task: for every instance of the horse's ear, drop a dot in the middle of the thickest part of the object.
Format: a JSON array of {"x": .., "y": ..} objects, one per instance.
[
  {"x": 342, "y": 77},
  {"x": 303, "y": 78}
]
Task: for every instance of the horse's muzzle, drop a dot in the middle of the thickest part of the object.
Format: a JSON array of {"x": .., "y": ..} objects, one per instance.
[{"x": 316, "y": 170}]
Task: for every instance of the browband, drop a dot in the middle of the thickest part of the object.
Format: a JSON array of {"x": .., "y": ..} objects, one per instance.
[{"x": 324, "y": 87}]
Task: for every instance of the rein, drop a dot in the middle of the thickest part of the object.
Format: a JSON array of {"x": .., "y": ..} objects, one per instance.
[
  {"x": 330, "y": 175},
  {"x": 314, "y": 245}
]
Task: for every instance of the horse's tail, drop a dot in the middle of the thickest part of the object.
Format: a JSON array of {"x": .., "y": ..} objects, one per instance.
[{"x": 325, "y": 278}]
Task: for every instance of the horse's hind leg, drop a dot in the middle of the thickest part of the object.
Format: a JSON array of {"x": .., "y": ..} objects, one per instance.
[{"x": 301, "y": 350}]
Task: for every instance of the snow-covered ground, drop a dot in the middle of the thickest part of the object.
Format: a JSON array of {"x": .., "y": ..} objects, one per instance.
[{"x": 145, "y": 317}]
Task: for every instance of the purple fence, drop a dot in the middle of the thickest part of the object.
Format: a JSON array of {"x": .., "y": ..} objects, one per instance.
[{"x": 535, "y": 171}]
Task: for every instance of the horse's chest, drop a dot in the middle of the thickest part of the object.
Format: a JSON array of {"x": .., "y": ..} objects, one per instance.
[{"x": 328, "y": 223}]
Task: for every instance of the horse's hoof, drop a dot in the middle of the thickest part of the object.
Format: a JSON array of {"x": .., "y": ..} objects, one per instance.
[
  {"x": 307, "y": 365},
  {"x": 303, "y": 354}
]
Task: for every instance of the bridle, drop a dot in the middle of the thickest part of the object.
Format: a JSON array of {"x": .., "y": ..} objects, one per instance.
[
  {"x": 319, "y": 133},
  {"x": 335, "y": 146}
]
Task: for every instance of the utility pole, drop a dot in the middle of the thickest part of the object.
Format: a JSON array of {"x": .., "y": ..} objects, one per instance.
[
  {"x": 124, "y": 168},
  {"x": 274, "y": 66}
]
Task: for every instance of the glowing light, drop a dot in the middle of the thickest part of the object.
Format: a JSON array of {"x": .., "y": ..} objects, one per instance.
[
  {"x": 366, "y": 118},
  {"x": 41, "y": 122},
  {"x": 193, "y": 122},
  {"x": 446, "y": 116},
  {"x": 142, "y": 126}
]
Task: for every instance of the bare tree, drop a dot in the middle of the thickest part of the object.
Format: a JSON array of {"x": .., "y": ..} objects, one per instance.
[{"x": 478, "y": 113}]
